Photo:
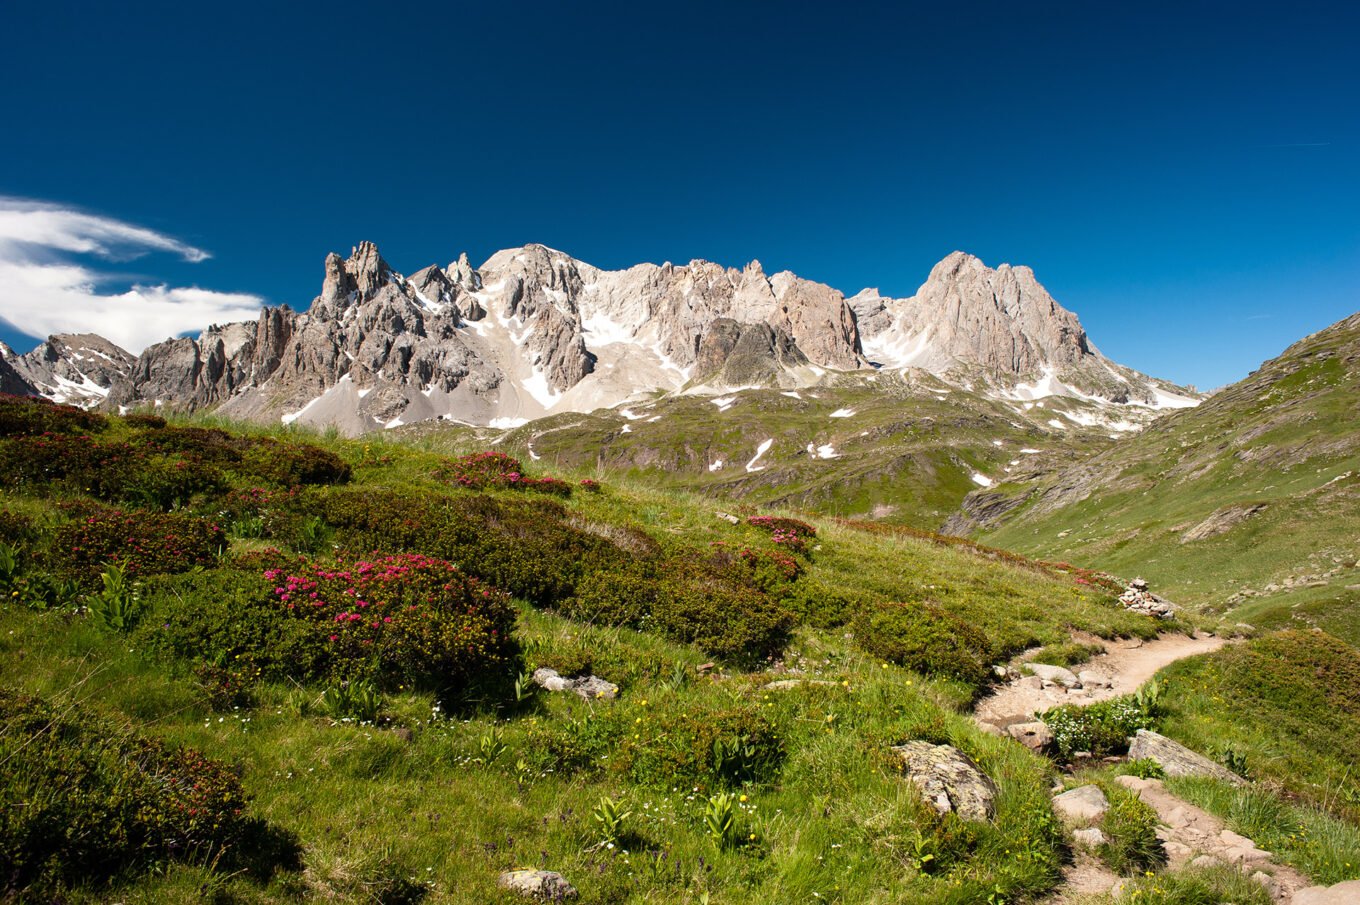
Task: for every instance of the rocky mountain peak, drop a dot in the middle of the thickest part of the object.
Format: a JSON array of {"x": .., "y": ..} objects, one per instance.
[{"x": 79, "y": 368}]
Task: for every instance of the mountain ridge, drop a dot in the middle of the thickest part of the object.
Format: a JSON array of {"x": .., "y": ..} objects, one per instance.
[{"x": 534, "y": 331}]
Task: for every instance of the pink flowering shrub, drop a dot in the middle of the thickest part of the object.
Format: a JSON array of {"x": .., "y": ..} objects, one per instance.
[
  {"x": 490, "y": 470},
  {"x": 402, "y": 619},
  {"x": 789, "y": 533}
]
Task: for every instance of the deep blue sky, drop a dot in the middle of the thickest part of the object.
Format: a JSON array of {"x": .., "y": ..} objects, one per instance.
[{"x": 1186, "y": 177}]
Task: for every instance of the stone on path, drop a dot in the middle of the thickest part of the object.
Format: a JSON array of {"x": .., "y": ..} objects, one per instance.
[
  {"x": 1346, "y": 893},
  {"x": 949, "y": 779},
  {"x": 1059, "y": 675},
  {"x": 547, "y": 885},
  {"x": 1035, "y": 736},
  {"x": 1082, "y": 804},
  {"x": 1091, "y": 837},
  {"x": 1175, "y": 759}
]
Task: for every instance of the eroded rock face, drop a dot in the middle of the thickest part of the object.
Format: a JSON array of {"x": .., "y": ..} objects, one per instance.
[
  {"x": 949, "y": 780},
  {"x": 11, "y": 381},
  {"x": 1175, "y": 759}
]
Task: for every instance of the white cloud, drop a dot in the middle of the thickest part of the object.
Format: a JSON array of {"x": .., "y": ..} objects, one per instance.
[{"x": 45, "y": 288}]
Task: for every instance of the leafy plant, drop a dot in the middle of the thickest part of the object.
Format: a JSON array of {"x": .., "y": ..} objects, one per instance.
[
  {"x": 720, "y": 818},
  {"x": 116, "y": 606},
  {"x": 491, "y": 746},
  {"x": 358, "y": 699},
  {"x": 610, "y": 815}
]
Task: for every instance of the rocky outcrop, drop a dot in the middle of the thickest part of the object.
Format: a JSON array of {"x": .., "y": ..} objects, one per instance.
[
  {"x": 733, "y": 354},
  {"x": 11, "y": 381},
  {"x": 949, "y": 780},
  {"x": 1175, "y": 759},
  {"x": 1221, "y": 522}
]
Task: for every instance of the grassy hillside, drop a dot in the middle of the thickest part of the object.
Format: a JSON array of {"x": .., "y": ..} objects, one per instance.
[
  {"x": 901, "y": 450},
  {"x": 346, "y": 629},
  {"x": 1248, "y": 504}
]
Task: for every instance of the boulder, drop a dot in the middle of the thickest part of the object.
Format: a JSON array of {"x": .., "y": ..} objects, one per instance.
[
  {"x": 1175, "y": 759},
  {"x": 589, "y": 687},
  {"x": 1346, "y": 893},
  {"x": 949, "y": 779},
  {"x": 546, "y": 885},
  {"x": 1091, "y": 837},
  {"x": 1081, "y": 805},
  {"x": 1035, "y": 736},
  {"x": 1059, "y": 675}
]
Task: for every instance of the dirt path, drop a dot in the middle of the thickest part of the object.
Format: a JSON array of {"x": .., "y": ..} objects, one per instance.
[
  {"x": 1124, "y": 666},
  {"x": 1189, "y": 833}
]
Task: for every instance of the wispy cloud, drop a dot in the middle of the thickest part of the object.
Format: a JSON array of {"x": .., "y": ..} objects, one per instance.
[{"x": 48, "y": 286}]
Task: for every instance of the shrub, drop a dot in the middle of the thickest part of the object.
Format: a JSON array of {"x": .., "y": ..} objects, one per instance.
[
  {"x": 484, "y": 470},
  {"x": 526, "y": 547},
  {"x": 921, "y": 636},
  {"x": 28, "y": 416},
  {"x": 622, "y": 597},
  {"x": 294, "y": 464},
  {"x": 1102, "y": 728},
  {"x": 16, "y": 528},
  {"x": 397, "y": 620},
  {"x": 83, "y": 800},
  {"x": 821, "y": 606},
  {"x": 115, "y": 472},
  {"x": 142, "y": 420},
  {"x": 789, "y": 533},
  {"x": 205, "y": 443},
  {"x": 710, "y": 749},
  {"x": 729, "y": 619},
  {"x": 145, "y": 543}
]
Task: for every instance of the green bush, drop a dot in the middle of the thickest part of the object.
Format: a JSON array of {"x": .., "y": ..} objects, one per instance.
[
  {"x": 486, "y": 470},
  {"x": 527, "y": 547},
  {"x": 83, "y": 800},
  {"x": 718, "y": 613},
  {"x": 114, "y": 472},
  {"x": 710, "y": 749},
  {"x": 144, "y": 543},
  {"x": 1102, "y": 728},
  {"x": 923, "y": 637},
  {"x": 623, "y": 597},
  {"x": 294, "y": 464}
]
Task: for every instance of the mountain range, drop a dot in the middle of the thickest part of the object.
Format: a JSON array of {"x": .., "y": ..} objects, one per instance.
[{"x": 533, "y": 332}]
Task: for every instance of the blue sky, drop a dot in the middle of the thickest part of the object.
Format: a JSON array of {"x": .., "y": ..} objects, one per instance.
[{"x": 1185, "y": 177}]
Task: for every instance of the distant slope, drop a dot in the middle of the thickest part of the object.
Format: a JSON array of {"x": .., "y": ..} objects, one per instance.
[
  {"x": 903, "y": 448},
  {"x": 1249, "y": 503}
]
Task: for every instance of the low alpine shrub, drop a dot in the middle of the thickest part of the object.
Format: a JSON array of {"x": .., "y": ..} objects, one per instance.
[
  {"x": 144, "y": 543},
  {"x": 716, "y": 611},
  {"x": 294, "y": 464},
  {"x": 402, "y": 620},
  {"x": 29, "y": 415},
  {"x": 921, "y": 636},
  {"x": 709, "y": 749},
  {"x": 83, "y": 800}
]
